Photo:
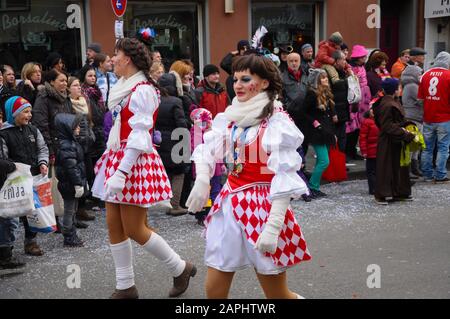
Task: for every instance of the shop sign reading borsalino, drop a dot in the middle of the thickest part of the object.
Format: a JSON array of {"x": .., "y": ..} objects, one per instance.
[{"x": 159, "y": 23}]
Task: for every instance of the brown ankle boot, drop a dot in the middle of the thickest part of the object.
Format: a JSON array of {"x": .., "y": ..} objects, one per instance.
[
  {"x": 130, "y": 293},
  {"x": 181, "y": 283},
  {"x": 82, "y": 214}
]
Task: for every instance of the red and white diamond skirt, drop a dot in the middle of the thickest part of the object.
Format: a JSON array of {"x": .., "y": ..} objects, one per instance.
[
  {"x": 233, "y": 226},
  {"x": 146, "y": 184}
]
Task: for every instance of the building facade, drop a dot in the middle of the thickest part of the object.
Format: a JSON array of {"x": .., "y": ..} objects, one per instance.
[{"x": 206, "y": 30}]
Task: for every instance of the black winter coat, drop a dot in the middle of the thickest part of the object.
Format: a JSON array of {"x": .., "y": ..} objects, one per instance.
[
  {"x": 340, "y": 92},
  {"x": 170, "y": 117},
  {"x": 325, "y": 133},
  {"x": 47, "y": 105},
  {"x": 70, "y": 168},
  {"x": 27, "y": 92},
  {"x": 6, "y": 167}
]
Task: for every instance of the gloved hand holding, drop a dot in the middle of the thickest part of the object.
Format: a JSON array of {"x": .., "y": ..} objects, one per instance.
[
  {"x": 268, "y": 239},
  {"x": 79, "y": 191},
  {"x": 116, "y": 183},
  {"x": 200, "y": 192}
]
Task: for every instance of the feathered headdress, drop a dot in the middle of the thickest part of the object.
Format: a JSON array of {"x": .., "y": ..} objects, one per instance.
[
  {"x": 258, "y": 46},
  {"x": 146, "y": 35}
]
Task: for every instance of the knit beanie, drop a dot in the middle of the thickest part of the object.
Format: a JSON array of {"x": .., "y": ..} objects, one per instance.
[
  {"x": 306, "y": 46},
  {"x": 210, "y": 69},
  {"x": 336, "y": 38},
  {"x": 13, "y": 106},
  {"x": 390, "y": 85},
  {"x": 95, "y": 47},
  {"x": 313, "y": 77}
]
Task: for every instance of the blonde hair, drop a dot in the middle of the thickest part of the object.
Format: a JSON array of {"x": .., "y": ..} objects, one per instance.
[
  {"x": 182, "y": 68},
  {"x": 71, "y": 80},
  {"x": 156, "y": 66},
  {"x": 324, "y": 94},
  {"x": 28, "y": 70}
]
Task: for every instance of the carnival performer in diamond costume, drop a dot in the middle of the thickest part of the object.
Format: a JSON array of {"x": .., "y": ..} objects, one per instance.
[
  {"x": 251, "y": 222},
  {"x": 130, "y": 175}
]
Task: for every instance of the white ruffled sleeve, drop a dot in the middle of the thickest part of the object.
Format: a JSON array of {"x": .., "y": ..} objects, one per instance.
[
  {"x": 281, "y": 140},
  {"x": 143, "y": 103},
  {"x": 213, "y": 149}
]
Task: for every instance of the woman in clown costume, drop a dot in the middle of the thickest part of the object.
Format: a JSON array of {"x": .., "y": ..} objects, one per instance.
[
  {"x": 130, "y": 174},
  {"x": 251, "y": 222}
]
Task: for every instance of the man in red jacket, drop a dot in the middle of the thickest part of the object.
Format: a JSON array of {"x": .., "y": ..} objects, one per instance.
[{"x": 210, "y": 92}]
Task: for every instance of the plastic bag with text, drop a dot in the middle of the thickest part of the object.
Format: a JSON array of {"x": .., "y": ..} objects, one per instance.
[{"x": 42, "y": 219}]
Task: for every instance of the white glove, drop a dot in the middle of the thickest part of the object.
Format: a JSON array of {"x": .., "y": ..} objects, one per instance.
[
  {"x": 79, "y": 191},
  {"x": 115, "y": 183},
  {"x": 268, "y": 239},
  {"x": 200, "y": 192}
]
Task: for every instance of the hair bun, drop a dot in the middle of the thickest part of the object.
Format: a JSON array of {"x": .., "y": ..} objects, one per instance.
[{"x": 146, "y": 35}]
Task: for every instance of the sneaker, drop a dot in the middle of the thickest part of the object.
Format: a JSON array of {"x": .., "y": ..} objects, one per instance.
[
  {"x": 8, "y": 261},
  {"x": 381, "y": 201},
  {"x": 80, "y": 224},
  {"x": 306, "y": 198},
  {"x": 317, "y": 193},
  {"x": 403, "y": 199},
  {"x": 129, "y": 293},
  {"x": 428, "y": 179},
  {"x": 441, "y": 181}
]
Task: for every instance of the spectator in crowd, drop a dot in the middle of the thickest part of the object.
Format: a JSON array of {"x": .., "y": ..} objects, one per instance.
[
  {"x": 157, "y": 70},
  {"x": 211, "y": 95},
  {"x": 7, "y": 225},
  {"x": 399, "y": 66},
  {"x": 417, "y": 57},
  {"x": 283, "y": 51},
  {"x": 83, "y": 107},
  {"x": 71, "y": 173},
  {"x": 319, "y": 113},
  {"x": 377, "y": 72},
  {"x": 413, "y": 108},
  {"x": 392, "y": 180},
  {"x": 226, "y": 63},
  {"x": 339, "y": 87},
  {"x": 92, "y": 50},
  {"x": 170, "y": 117},
  {"x": 357, "y": 61},
  {"x": 52, "y": 100},
  {"x": 23, "y": 143},
  {"x": 345, "y": 51},
  {"x": 9, "y": 77},
  {"x": 327, "y": 48},
  {"x": 54, "y": 61},
  {"x": 156, "y": 56},
  {"x": 368, "y": 141},
  {"x": 307, "y": 58},
  {"x": 106, "y": 79},
  {"x": 294, "y": 80},
  {"x": 5, "y": 92},
  {"x": 185, "y": 70},
  {"x": 434, "y": 90},
  {"x": 31, "y": 82}
]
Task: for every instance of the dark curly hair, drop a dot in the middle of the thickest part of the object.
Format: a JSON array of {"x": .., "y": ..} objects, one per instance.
[
  {"x": 377, "y": 58},
  {"x": 265, "y": 69},
  {"x": 139, "y": 55}
]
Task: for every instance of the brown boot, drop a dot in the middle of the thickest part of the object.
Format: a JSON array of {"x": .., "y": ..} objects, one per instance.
[
  {"x": 177, "y": 188},
  {"x": 181, "y": 283},
  {"x": 130, "y": 293},
  {"x": 82, "y": 214},
  {"x": 177, "y": 211},
  {"x": 33, "y": 249}
]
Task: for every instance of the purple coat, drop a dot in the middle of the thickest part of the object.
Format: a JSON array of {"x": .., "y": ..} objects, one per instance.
[{"x": 107, "y": 124}]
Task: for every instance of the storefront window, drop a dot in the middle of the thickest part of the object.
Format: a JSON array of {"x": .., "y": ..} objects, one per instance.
[
  {"x": 288, "y": 23},
  {"x": 175, "y": 25},
  {"x": 30, "y": 30}
]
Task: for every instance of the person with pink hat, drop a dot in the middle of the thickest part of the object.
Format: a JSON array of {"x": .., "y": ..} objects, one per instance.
[{"x": 357, "y": 61}]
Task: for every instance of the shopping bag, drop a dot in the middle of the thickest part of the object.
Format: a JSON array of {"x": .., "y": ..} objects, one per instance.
[
  {"x": 58, "y": 203},
  {"x": 42, "y": 219},
  {"x": 16, "y": 195},
  {"x": 336, "y": 170},
  {"x": 354, "y": 90}
]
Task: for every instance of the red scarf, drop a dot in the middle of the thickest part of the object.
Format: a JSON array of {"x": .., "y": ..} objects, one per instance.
[{"x": 297, "y": 74}]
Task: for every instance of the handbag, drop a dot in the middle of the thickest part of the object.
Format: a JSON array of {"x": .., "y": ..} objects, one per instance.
[
  {"x": 58, "y": 203},
  {"x": 354, "y": 94},
  {"x": 16, "y": 195},
  {"x": 336, "y": 170}
]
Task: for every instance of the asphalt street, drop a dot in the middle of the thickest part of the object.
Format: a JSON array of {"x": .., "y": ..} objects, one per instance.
[{"x": 350, "y": 237}]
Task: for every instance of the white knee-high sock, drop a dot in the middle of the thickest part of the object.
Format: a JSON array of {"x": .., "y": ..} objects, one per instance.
[
  {"x": 123, "y": 260},
  {"x": 158, "y": 247}
]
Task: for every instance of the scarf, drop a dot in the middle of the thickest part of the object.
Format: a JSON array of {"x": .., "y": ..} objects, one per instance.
[
  {"x": 117, "y": 100},
  {"x": 93, "y": 93},
  {"x": 51, "y": 91},
  {"x": 80, "y": 105},
  {"x": 245, "y": 114},
  {"x": 296, "y": 74}
]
